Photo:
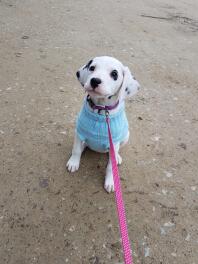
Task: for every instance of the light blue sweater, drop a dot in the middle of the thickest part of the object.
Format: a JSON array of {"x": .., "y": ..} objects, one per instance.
[{"x": 92, "y": 128}]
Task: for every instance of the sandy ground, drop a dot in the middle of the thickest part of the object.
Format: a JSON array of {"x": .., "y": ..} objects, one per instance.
[{"x": 49, "y": 216}]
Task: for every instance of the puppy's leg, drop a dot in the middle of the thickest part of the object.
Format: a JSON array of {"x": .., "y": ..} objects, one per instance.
[
  {"x": 109, "y": 185},
  {"x": 74, "y": 161},
  {"x": 119, "y": 158}
]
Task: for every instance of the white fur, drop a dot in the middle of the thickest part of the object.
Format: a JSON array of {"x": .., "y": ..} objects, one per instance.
[{"x": 108, "y": 92}]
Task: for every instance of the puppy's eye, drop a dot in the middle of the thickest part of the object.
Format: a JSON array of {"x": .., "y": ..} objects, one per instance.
[
  {"x": 92, "y": 68},
  {"x": 114, "y": 75}
]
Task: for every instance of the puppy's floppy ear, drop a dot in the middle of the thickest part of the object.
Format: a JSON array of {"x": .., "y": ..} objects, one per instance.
[
  {"x": 83, "y": 72},
  {"x": 130, "y": 85}
]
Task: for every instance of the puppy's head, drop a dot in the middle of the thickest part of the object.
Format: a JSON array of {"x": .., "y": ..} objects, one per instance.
[{"x": 104, "y": 77}]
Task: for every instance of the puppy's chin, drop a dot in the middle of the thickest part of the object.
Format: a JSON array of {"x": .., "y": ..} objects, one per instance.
[{"x": 95, "y": 94}]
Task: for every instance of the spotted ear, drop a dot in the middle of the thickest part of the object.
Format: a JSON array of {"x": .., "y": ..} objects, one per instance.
[
  {"x": 83, "y": 73},
  {"x": 130, "y": 85}
]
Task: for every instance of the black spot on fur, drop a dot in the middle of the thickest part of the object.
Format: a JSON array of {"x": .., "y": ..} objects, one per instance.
[
  {"x": 78, "y": 74},
  {"x": 128, "y": 92},
  {"x": 126, "y": 89},
  {"x": 88, "y": 64}
]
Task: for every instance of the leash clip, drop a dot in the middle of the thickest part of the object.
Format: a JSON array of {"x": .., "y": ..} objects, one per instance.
[{"x": 107, "y": 113}]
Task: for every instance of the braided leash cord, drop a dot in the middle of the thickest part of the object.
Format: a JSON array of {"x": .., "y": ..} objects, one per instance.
[{"x": 119, "y": 202}]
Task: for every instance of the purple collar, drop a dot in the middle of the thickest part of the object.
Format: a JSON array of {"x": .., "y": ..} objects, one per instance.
[{"x": 101, "y": 107}]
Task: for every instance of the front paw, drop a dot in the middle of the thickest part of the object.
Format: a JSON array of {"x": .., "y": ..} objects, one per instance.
[
  {"x": 109, "y": 184},
  {"x": 73, "y": 164}
]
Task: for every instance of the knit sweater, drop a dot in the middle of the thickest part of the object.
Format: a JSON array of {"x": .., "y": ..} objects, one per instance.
[{"x": 92, "y": 127}]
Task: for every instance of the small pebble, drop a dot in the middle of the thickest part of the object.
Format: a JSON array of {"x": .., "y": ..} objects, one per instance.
[
  {"x": 169, "y": 224},
  {"x": 63, "y": 132},
  {"x": 44, "y": 183},
  {"x": 162, "y": 231},
  {"x": 116, "y": 246},
  {"x": 25, "y": 37},
  {"x": 147, "y": 252},
  {"x": 164, "y": 191},
  {"x": 18, "y": 54},
  {"x": 109, "y": 226},
  {"x": 182, "y": 145},
  {"x": 61, "y": 89},
  {"x": 168, "y": 174},
  {"x": 72, "y": 229},
  {"x": 156, "y": 138},
  {"x": 187, "y": 237}
]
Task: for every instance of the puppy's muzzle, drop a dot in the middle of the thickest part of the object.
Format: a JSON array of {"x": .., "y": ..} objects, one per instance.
[{"x": 95, "y": 82}]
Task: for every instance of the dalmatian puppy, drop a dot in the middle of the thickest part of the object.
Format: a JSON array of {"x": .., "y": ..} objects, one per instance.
[{"x": 108, "y": 83}]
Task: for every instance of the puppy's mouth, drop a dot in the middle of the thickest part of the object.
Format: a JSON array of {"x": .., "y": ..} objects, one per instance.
[
  {"x": 95, "y": 94},
  {"x": 92, "y": 91}
]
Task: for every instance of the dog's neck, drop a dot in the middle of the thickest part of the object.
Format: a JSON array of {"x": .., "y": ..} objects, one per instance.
[{"x": 107, "y": 101}]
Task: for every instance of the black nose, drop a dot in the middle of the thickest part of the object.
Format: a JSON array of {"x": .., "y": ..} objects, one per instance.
[
  {"x": 95, "y": 82},
  {"x": 78, "y": 74}
]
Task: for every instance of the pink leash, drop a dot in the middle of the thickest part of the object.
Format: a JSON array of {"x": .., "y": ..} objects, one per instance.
[{"x": 119, "y": 201}]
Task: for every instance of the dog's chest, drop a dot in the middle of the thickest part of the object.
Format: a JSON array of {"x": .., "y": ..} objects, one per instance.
[{"x": 92, "y": 128}]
